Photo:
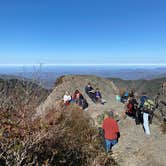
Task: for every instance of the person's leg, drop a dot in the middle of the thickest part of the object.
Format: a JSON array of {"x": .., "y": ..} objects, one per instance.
[
  {"x": 146, "y": 123},
  {"x": 107, "y": 145},
  {"x": 137, "y": 116},
  {"x": 113, "y": 142}
]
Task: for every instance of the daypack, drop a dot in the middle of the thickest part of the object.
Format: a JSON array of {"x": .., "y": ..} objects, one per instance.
[
  {"x": 148, "y": 106},
  {"x": 130, "y": 108}
]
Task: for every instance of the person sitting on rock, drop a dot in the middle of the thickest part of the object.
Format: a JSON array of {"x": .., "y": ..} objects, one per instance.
[
  {"x": 124, "y": 96},
  {"x": 98, "y": 96},
  {"x": 66, "y": 98},
  {"x": 111, "y": 131},
  {"x": 76, "y": 97},
  {"x": 90, "y": 92},
  {"x": 79, "y": 99}
]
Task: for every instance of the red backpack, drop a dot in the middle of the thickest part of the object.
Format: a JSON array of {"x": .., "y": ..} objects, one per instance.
[{"x": 130, "y": 108}]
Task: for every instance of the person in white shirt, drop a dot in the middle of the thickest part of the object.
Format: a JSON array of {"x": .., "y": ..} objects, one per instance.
[{"x": 66, "y": 98}]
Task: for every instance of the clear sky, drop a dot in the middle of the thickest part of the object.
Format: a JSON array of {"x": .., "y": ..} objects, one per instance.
[{"x": 82, "y": 31}]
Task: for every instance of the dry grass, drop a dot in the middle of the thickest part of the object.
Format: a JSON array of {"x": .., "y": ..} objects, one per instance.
[
  {"x": 59, "y": 81},
  {"x": 62, "y": 137}
]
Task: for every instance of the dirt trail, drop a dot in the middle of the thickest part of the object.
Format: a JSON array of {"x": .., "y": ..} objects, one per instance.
[
  {"x": 134, "y": 147},
  {"x": 137, "y": 149}
]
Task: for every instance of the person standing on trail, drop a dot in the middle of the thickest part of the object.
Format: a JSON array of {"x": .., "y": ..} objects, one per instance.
[
  {"x": 111, "y": 132},
  {"x": 143, "y": 98}
]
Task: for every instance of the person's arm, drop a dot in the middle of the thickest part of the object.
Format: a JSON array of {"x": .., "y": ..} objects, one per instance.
[
  {"x": 100, "y": 95},
  {"x": 103, "y": 126},
  {"x": 117, "y": 130}
]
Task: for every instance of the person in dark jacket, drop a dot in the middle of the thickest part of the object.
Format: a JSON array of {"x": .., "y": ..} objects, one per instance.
[
  {"x": 146, "y": 115},
  {"x": 90, "y": 92}
]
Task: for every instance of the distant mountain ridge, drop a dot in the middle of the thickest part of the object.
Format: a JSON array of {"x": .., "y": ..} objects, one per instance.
[
  {"x": 151, "y": 87},
  {"x": 16, "y": 91}
]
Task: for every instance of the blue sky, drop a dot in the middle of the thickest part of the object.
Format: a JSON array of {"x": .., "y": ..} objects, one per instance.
[{"x": 83, "y": 31}]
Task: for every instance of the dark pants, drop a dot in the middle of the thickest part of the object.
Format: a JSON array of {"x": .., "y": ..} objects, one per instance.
[{"x": 92, "y": 96}]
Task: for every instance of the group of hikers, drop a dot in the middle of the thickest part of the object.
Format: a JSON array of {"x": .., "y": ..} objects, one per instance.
[
  {"x": 79, "y": 99},
  {"x": 95, "y": 95},
  {"x": 141, "y": 109}
]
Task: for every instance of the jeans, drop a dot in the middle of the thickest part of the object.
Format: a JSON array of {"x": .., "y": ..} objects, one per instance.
[
  {"x": 109, "y": 144},
  {"x": 146, "y": 123}
]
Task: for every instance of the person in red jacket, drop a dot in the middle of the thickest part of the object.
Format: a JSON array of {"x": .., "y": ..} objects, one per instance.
[{"x": 111, "y": 131}]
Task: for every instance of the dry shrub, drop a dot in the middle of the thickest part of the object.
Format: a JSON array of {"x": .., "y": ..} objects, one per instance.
[
  {"x": 64, "y": 137},
  {"x": 59, "y": 81}
]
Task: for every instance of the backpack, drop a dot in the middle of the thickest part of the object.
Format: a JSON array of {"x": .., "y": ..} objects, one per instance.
[
  {"x": 148, "y": 106},
  {"x": 130, "y": 108}
]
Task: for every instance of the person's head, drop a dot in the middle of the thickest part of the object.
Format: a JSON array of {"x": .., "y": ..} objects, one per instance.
[
  {"x": 89, "y": 84},
  {"x": 77, "y": 91},
  {"x": 144, "y": 93},
  {"x": 97, "y": 89},
  {"x": 110, "y": 114}
]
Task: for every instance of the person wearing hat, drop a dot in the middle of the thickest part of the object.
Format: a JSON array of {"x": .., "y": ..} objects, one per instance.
[{"x": 111, "y": 131}]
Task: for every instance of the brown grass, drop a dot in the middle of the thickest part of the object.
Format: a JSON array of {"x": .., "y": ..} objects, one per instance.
[
  {"x": 62, "y": 137},
  {"x": 59, "y": 81}
]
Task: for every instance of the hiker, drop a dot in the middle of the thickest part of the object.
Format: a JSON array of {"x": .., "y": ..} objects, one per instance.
[
  {"x": 80, "y": 100},
  {"x": 76, "y": 96},
  {"x": 146, "y": 107},
  {"x": 100, "y": 119},
  {"x": 85, "y": 104},
  {"x": 131, "y": 93},
  {"x": 124, "y": 97},
  {"x": 90, "y": 92},
  {"x": 111, "y": 131},
  {"x": 98, "y": 96},
  {"x": 126, "y": 94},
  {"x": 66, "y": 98},
  {"x": 118, "y": 98},
  {"x": 130, "y": 107}
]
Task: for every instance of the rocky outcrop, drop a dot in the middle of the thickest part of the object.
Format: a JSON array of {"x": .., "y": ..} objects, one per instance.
[{"x": 71, "y": 83}]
